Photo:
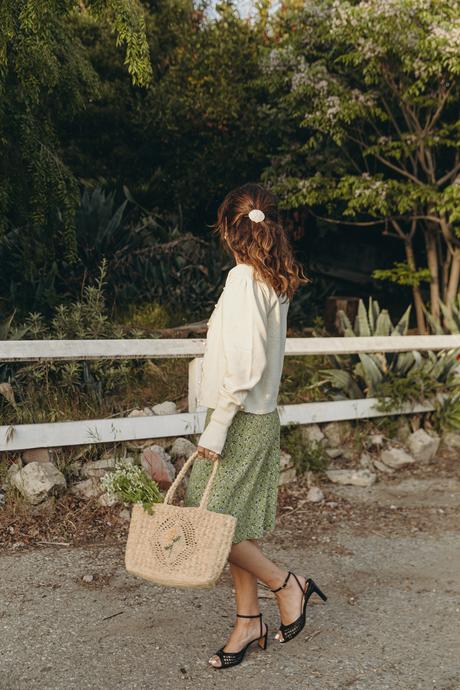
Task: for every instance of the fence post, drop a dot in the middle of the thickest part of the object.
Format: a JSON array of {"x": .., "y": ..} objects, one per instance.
[{"x": 194, "y": 379}]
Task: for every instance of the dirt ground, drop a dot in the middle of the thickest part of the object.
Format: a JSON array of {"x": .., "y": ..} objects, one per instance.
[{"x": 388, "y": 558}]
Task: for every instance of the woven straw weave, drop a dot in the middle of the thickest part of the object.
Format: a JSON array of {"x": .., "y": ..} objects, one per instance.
[{"x": 178, "y": 546}]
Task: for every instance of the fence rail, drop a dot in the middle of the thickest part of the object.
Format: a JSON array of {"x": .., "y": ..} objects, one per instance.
[{"x": 22, "y": 436}]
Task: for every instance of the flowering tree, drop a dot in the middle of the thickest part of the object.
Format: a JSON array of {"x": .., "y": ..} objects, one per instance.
[{"x": 376, "y": 85}]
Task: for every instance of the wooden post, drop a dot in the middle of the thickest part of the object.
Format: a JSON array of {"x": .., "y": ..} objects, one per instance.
[{"x": 194, "y": 378}]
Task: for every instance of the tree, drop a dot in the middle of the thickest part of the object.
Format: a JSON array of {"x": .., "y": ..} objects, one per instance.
[
  {"x": 44, "y": 76},
  {"x": 376, "y": 85}
]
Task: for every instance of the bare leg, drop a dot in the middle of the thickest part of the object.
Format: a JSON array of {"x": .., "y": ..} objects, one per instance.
[
  {"x": 248, "y": 555},
  {"x": 247, "y": 603}
]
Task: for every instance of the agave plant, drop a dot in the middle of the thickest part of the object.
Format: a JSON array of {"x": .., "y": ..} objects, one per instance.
[
  {"x": 451, "y": 318},
  {"x": 365, "y": 375}
]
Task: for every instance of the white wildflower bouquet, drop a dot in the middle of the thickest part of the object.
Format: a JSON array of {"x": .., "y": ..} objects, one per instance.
[{"x": 130, "y": 484}]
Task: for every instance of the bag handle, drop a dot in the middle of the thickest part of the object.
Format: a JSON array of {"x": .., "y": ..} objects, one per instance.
[{"x": 172, "y": 489}]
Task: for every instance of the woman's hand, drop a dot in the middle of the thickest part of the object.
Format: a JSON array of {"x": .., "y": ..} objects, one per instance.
[{"x": 208, "y": 454}]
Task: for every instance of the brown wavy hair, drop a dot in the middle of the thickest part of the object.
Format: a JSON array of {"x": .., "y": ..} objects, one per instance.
[{"x": 265, "y": 245}]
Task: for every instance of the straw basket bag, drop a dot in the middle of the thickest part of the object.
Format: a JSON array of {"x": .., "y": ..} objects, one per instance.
[{"x": 179, "y": 546}]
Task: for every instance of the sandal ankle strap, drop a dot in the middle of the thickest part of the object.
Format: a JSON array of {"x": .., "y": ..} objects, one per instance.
[
  {"x": 256, "y": 615},
  {"x": 284, "y": 583}
]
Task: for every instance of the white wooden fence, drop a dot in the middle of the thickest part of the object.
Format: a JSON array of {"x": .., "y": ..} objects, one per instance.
[{"x": 18, "y": 437}]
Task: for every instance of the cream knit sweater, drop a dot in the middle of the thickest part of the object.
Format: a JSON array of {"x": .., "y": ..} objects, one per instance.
[{"x": 244, "y": 353}]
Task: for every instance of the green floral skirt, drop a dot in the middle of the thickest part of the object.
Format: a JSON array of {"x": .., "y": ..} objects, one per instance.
[{"x": 246, "y": 481}]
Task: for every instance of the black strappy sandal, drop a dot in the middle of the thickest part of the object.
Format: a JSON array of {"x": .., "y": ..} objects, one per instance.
[
  {"x": 233, "y": 658},
  {"x": 293, "y": 629}
]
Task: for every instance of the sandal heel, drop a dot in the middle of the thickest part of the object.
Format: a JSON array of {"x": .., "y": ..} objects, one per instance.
[
  {"x": 263, "y": 641},
  {"x": 293, "y": 629},
  {"x": 228, "y": 659},
  {"x": 314, "y": 588}
]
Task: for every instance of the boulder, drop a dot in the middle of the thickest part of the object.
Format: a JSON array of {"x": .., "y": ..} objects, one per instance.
[
  {"x": 382, "y": 467},
  {"x": 6, "y": 390},
  {"x": 88, "y": 488},
  {"x": 451, "y": 440},
  {"x": 98, "y": 468},
  {"x": 181, "y": 448},
  {"x": 12, "y": 469},
  {"x": 403, "y": 431},
  {"x": 38, "y": 480},
  {"x": 107, "y": 500},
  {"x": 334, "y": 452},
  {"x": 365, "y": 460},
  {"x": 137, "y": 413},
  {"x": 337, "y": 433},
  {"x": 423, "y": 446},
  {"x": 166, "y": 407},
  {"x": 375, "y": 441},
  {"x": 315, "y": 495},
  {"x": 312, "y": 433},
  {"x": 287, "y": 469},
  {"x": 148, "y": 411},
  {"x": 158, "y": 466},
  {"x": 125, "y": 515},
  {"x": 396, "y": 458},
  {"x": 353, "y": 477},
  {"x": 349, "y": 453},
  {"x": 35, "y": 455}
]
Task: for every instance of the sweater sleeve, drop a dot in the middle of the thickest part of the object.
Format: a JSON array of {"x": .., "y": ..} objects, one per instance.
[{"x": 244, "y": 330}]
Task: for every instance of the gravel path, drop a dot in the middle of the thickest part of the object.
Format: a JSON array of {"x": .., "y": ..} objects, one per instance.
[{"x": 391, "y": 621}]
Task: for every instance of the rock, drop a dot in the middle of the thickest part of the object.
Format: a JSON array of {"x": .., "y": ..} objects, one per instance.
[
  {"x": 353, "y": 477},
  {"x": 404, "y": 431},
  {"x": 38, "y": 480},
  {"x": 6, "y": 390},
  {"x": 312, "y": 433},
  {"x": 88, "y": 578},
  {"x": 88, "y": 488},
  {"x": 287, "y": 469},
  {"x": 75, "y": 468},
  {"x": 107, "y": 500},
  {"x": 35, "y": 455},
  {"x": 12, "y": 469},
  {"x": 182, "y": 448},
  {"x": 382, "y": 467},
  {"x": 423, "y": 446},
  {"x": 365, "y": 461},
  {"x": 337, "y": 433},
  {"x": 166, "y": 407},
  {"x": 396, "y": 457},
  {"x": 125, "y": 515},
  {"x": 334, "y": 452},
  {"x": 451, "y": 440},
  {"x": 158, "y": 466},
  {"x": 98, "y": 468},
  {"x": 375, "y": 441},
  {"x": 315, "y": 495},
  {"x": 148, "y": 411},
  {"x": 137, "y": 413},
  {"x": 349, "y": 453}
]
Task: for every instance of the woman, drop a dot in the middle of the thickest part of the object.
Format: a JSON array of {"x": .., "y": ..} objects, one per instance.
[{"x": 241, "y": 373}]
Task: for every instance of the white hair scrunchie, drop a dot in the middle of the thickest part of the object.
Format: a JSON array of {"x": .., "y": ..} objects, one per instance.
[{"x": 256, "y": 215}]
